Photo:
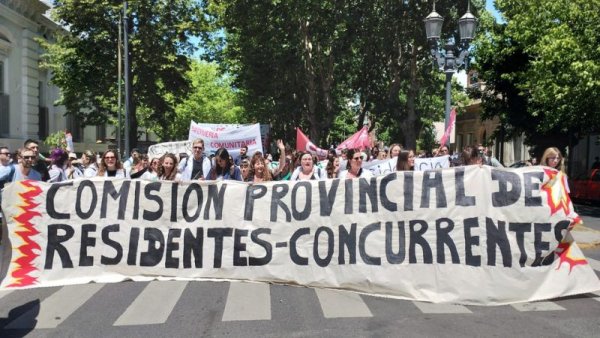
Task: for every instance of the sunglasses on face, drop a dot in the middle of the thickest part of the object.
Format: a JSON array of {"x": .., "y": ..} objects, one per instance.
[
  {"x": 28, "y": 157},
  {"x": 7, "y": 154},
  {"x": 109, "y": 157}
]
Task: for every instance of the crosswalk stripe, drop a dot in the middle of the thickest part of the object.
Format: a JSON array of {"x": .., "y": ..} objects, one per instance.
[
  {"x": 56, "y": 308},
  {"x": 5, "y": 293},
  {"x": 538, "y": 306},
  {"x": 441, "y": 308},
  {"x": 153, "y": 305},
  {"x": 247, "y": 301},
  {"x": 340, "y": 304},
  {"x": 594, "y": 263}
]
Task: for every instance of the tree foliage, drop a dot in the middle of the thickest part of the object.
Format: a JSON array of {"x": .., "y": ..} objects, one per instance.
[
  {"x": 84, "y": 60},
  {"x": 211, "y": 100},
  {"x": 542, "y": 67},
  {"x": 314, "y": 63}
]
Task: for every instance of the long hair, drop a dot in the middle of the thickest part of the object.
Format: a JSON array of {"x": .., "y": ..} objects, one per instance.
[
  {"x": 350, "y": 155},
  {"x": 223, "y": 154},
  {"x": 330, "y": 169},
  {"x": 161, "y": 170},
  {"x": 103, "y": 168},
  {"x": 266, "y": 172},
  {"x": 553, "y": 152},
  {"x": 402, "y": 163}
]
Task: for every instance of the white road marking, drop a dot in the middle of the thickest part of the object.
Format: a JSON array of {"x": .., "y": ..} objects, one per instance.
[
  {"x": 247, "y": 301},
  {"x": 153, "y": 305},
  {"x": 339, "y": 304},
  {"x": 56, "y": 308},
  {"x": 538, "y": 306}
]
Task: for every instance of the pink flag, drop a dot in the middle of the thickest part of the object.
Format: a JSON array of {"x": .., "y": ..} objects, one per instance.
[
  {"x": 446, "y": 135},
  {"x": 359, "y": 140}
]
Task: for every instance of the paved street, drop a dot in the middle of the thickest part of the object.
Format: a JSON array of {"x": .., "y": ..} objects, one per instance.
[{"x": 159, "y": 309}]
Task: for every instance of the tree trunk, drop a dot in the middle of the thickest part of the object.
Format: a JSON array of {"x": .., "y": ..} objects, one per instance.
[
  {"x": 410, "y": 128},
  {"x": 311, "y": 83}
]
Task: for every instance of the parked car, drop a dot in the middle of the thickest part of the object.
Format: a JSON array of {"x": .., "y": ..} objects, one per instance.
[{"x": 586, "y": 187}]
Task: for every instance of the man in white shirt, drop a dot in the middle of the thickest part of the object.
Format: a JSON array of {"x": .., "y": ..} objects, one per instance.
[{"x": 197, "y": 166}]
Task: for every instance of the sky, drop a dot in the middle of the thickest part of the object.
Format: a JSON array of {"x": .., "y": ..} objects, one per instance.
[{"x": 489, "y": 5}]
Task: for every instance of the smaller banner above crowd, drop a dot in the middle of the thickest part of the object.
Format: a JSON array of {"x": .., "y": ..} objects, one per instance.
[
  {"x": 231, "y": 138},
  {"x": 159, "y": 149},
  {"x": 432, "y": 163}
]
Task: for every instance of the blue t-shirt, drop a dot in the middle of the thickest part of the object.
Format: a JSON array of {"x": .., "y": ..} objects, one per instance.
[{"x": 18, "y": 176}]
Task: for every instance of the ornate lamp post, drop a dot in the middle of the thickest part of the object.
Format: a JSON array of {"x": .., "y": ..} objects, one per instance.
[{"x": 447, "y": 61}]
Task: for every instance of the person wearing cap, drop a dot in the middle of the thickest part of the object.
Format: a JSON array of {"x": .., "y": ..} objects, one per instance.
[{"x": 72, "y": 167}]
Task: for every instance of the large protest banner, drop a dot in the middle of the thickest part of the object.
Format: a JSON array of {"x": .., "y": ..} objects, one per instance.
[{"x": 471, "y": 235}]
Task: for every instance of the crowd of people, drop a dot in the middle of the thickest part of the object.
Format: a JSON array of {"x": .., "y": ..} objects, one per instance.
[{"x": 28, "y": 163}]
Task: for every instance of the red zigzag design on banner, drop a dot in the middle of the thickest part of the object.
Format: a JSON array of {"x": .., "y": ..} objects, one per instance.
[{"x": 30, "y": 249}]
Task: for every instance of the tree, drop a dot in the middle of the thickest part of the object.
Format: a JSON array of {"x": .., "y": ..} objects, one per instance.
[
  {"x": 84, "y": 60},
  {"x": 304, "y": 64},
  {"x": 542, "y": 68},
  {"x": 211, "y": 100}
]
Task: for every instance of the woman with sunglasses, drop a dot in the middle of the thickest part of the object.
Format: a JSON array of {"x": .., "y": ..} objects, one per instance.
[
  {"x": 224, "y": 168},
  {"x": 354, "y": 166},
  {"x": 552, "y": 158},
  {"x": 110, "y": 166}
]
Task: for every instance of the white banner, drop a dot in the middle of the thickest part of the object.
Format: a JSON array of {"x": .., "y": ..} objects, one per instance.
[
  {"x": 159, "y": 149},
  {"x": 432, "y": 163},
  {"x": 230, "y": 137},
  {"x": 471, "y": 235}
]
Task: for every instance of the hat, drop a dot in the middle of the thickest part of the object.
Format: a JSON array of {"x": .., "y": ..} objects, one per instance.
[{"x": 72, "y": 156}]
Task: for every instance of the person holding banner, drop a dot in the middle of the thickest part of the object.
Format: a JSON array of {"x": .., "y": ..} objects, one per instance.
[
  {"x": 406, "y": 161},
  {"x": 354, "y": 166},
  {"x": 259, "y": 171},
  {"x": 224, "y": 168},
  {"x": 198, "y": 165},
  {"x": 307, "y": 169},
  {"x": 553, "y": 159},
  {"x": 110, "y": 165},
  {"x": 168, "y": 168}
]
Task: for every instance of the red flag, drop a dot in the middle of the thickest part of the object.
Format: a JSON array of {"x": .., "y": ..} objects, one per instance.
[
  {"x": 359, "y": 140},
  {"x": 304, "y": 144},
  {"x": 446, "y": 135}
]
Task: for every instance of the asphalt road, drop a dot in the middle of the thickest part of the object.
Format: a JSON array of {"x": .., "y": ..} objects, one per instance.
[{"x": 216, "y": 309}]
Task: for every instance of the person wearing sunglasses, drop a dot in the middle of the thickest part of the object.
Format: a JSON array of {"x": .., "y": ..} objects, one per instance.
[
  {"x": 4, "y": 157},
  {"x": 21, "y": 171},
  {"x": 354, "y": 166},
  {"x": 110, "y": 166},
  {"x": 197, "y": 166}
]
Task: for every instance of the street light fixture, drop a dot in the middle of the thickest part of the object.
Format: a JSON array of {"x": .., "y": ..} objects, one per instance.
[{"x": 448, "y": 62}]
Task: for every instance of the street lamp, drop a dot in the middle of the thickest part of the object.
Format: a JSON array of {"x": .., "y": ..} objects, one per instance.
[{"x": 448, "y": 62}]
